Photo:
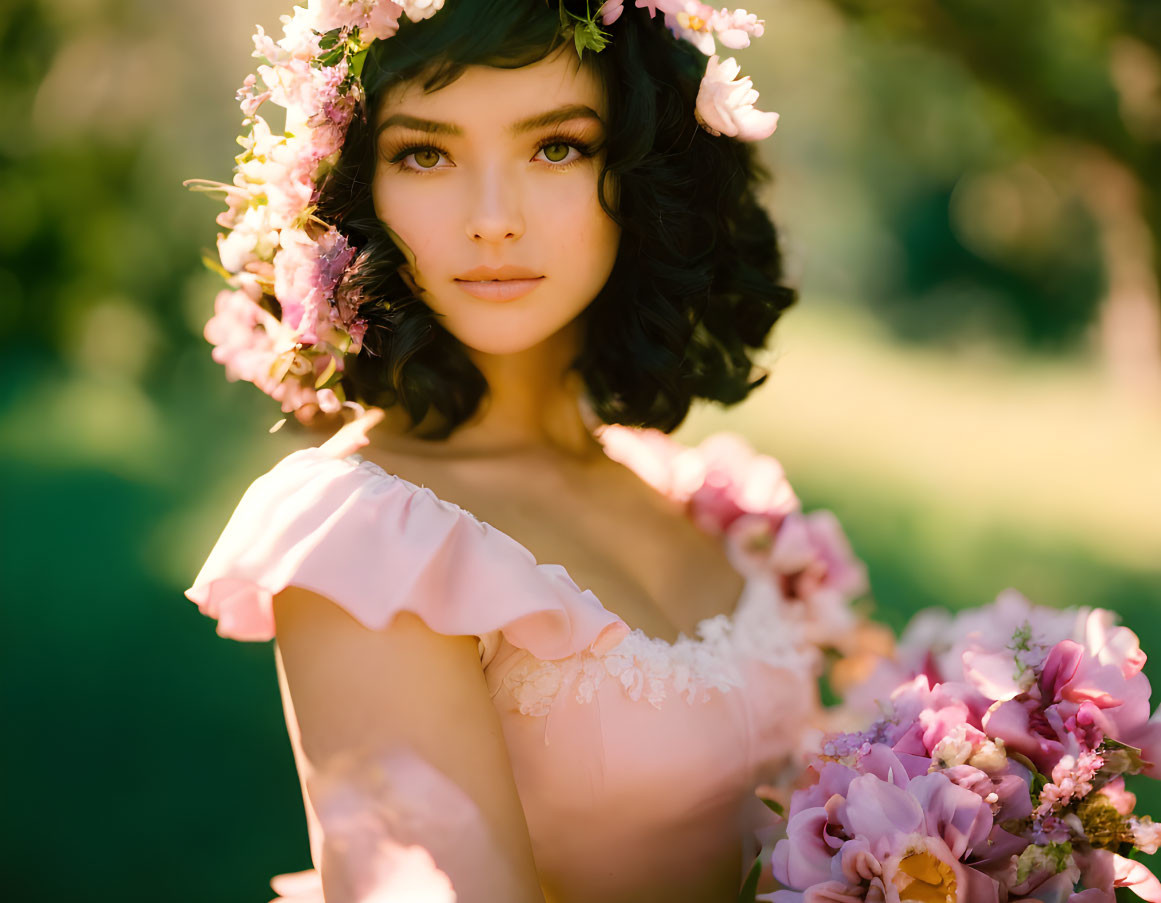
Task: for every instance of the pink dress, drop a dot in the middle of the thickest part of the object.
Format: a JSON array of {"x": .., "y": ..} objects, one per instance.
[{"x": 636, "y": 760}]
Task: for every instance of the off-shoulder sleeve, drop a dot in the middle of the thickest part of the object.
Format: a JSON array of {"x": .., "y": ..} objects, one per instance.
[{"x": 377, "y": 545}]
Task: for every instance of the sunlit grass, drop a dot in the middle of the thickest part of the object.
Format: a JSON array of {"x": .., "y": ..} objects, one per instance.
[{"x": 980, "y": 441}]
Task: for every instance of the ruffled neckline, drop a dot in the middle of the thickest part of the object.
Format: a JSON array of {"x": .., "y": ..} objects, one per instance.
[{"x": 675, "y": 471}]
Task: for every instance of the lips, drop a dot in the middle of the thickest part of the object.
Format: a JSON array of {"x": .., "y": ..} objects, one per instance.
[
  {"x": 504, "y": 283},
  {"x": 497, "y": 274}
]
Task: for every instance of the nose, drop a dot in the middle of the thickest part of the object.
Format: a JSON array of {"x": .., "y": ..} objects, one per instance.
[{"x": 495, "y": 211}]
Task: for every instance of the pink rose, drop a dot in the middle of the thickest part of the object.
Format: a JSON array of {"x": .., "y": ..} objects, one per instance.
[{"x": 736, "y": 480}]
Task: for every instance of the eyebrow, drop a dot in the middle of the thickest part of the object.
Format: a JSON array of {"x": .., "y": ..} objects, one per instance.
[
  {"x": 435, "y": 127},
  {"x": 555, "y": 117}
]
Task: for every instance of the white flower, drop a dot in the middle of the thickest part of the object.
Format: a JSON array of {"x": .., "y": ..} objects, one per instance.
[
  {"x": 418, "y": 10},
  {"x": 1146, "y": 834},
  {"x": 725, "y": 103},
  {"x": 252, "y": 239},
  {"x": 299, "y": 39},
  {"x": 990, "y": 757}
]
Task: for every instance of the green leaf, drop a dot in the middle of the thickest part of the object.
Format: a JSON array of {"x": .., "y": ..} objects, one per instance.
[
  {"x": 357, "y": 62},
  {"x": 750, "y": 888},
  {"x": 773, "y": 805},
  {"x": 330, "y": 58},
  {"x": 588, "y": 36},
  {"x": 586, "y": 33},
  {"x": 1120, "y": 758},
  {"x": 1053, "y": 856}
]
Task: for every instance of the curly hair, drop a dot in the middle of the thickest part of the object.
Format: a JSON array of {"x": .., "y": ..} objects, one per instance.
[{"x": 696, "y": 286}]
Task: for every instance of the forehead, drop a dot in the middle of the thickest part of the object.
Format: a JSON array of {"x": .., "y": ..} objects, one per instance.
[{"x": 495, "y": 95}]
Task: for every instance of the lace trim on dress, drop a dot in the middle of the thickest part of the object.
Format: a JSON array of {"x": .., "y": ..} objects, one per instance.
[{"x": 763, "y": 628}]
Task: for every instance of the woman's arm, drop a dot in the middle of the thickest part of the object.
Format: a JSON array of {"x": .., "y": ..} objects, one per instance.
[{"x": 400, "y": 738}]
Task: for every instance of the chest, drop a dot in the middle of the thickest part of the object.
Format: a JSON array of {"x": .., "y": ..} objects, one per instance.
[{"x": 633, "y": 548}]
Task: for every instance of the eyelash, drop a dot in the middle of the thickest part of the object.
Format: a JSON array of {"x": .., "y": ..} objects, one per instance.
[{"x": 584, "y": 150}]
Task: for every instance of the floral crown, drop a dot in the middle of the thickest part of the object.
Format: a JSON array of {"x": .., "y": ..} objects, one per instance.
[{"x": 277, "y": 249}]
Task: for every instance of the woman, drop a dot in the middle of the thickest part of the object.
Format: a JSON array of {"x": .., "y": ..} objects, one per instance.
[{"x": 560, "y": 669}]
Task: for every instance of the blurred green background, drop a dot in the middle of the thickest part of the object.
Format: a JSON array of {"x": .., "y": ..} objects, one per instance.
[{"x": 970, "y": 196}]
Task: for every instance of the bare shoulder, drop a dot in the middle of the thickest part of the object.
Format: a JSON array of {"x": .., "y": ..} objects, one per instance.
[{"x": 345, "y": 677}]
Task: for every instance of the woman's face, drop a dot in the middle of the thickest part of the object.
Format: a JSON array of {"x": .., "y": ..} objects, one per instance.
[{"x": 489, "y": 185}]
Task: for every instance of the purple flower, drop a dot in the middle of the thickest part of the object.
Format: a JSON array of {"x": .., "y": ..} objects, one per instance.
[{"x": 883, "y": 834}]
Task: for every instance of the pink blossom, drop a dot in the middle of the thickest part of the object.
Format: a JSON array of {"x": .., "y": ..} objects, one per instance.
[
  {"x": 232, "y": 331},
  {"x": 812, "y": 557},
  {"x": 305, "y": 274},
  {"x": 1103, "y": 870},
  {"x": 736, "y": 480},
  {"x": 296, "y": 283},
  {"x": 1118, "y": 797},
  {"x": 327, "y": 137},
  {"x": 334, "y": 254},
  {"x": 1005, "y": 794},
  {"x": 734, "y": 28},
  {"x": 690, "y": 20},
  {"x": 1082, "y": 698},
  {"x": 238, "y": 200},
  {"x": 248, "y": 100},
  {"x": 935, "y": 641},
  {"x": 302, "y": 88},
  {"x": 1111, "y": 644},
  {"x": 383, "y": 20},
  {"x": 725, "y": 103},
  {"x": 611, "y": 10},
  {"x": 349, "y": 15},
  {"x": 998, "y": 676},
  {"x": 948, "y": 737},
  {"x": 349, "y": 292},
  {"x": 265, "y": 47},
  {"x": 328, "y": 402},
  {"x": 655, "y": 6},
  {"x": 1023, "y": 727},
  {"x": 1072, "y": 778}
]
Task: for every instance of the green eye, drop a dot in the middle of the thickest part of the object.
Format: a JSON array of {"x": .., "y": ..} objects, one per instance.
[
  {"x": 555, "y": 153},
  {"x": 426, "y": 158}
]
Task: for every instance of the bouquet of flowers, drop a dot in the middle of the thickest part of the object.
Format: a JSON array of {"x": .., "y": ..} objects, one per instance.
[{"x": 994, "y": 773}]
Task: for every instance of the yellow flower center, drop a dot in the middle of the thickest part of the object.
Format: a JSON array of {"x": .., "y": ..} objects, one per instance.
[
  {"x": 693, "y": 23},
  {"x": 924, "y": 878}
]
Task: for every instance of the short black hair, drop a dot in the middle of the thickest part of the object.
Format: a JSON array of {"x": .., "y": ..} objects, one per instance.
[{"x": 697, "y": 283}]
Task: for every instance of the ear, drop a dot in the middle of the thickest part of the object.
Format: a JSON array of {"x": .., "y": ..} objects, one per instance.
[
  {"x": 408, "y": 270},
  {"x": 408, "y": 276}
]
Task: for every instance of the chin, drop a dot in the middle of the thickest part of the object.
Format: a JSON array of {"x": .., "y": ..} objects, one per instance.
[
  {"x": 498, "y": 344},
  {"x": 499, "y": 334}
]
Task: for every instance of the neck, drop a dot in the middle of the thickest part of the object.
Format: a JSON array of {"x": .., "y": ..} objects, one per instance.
[{"x": 532, "y": 404}]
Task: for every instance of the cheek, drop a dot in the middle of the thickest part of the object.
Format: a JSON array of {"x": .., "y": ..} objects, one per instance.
[
  {"x": 581, "y": 232},
  {"x": 417, "y": 221}
]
